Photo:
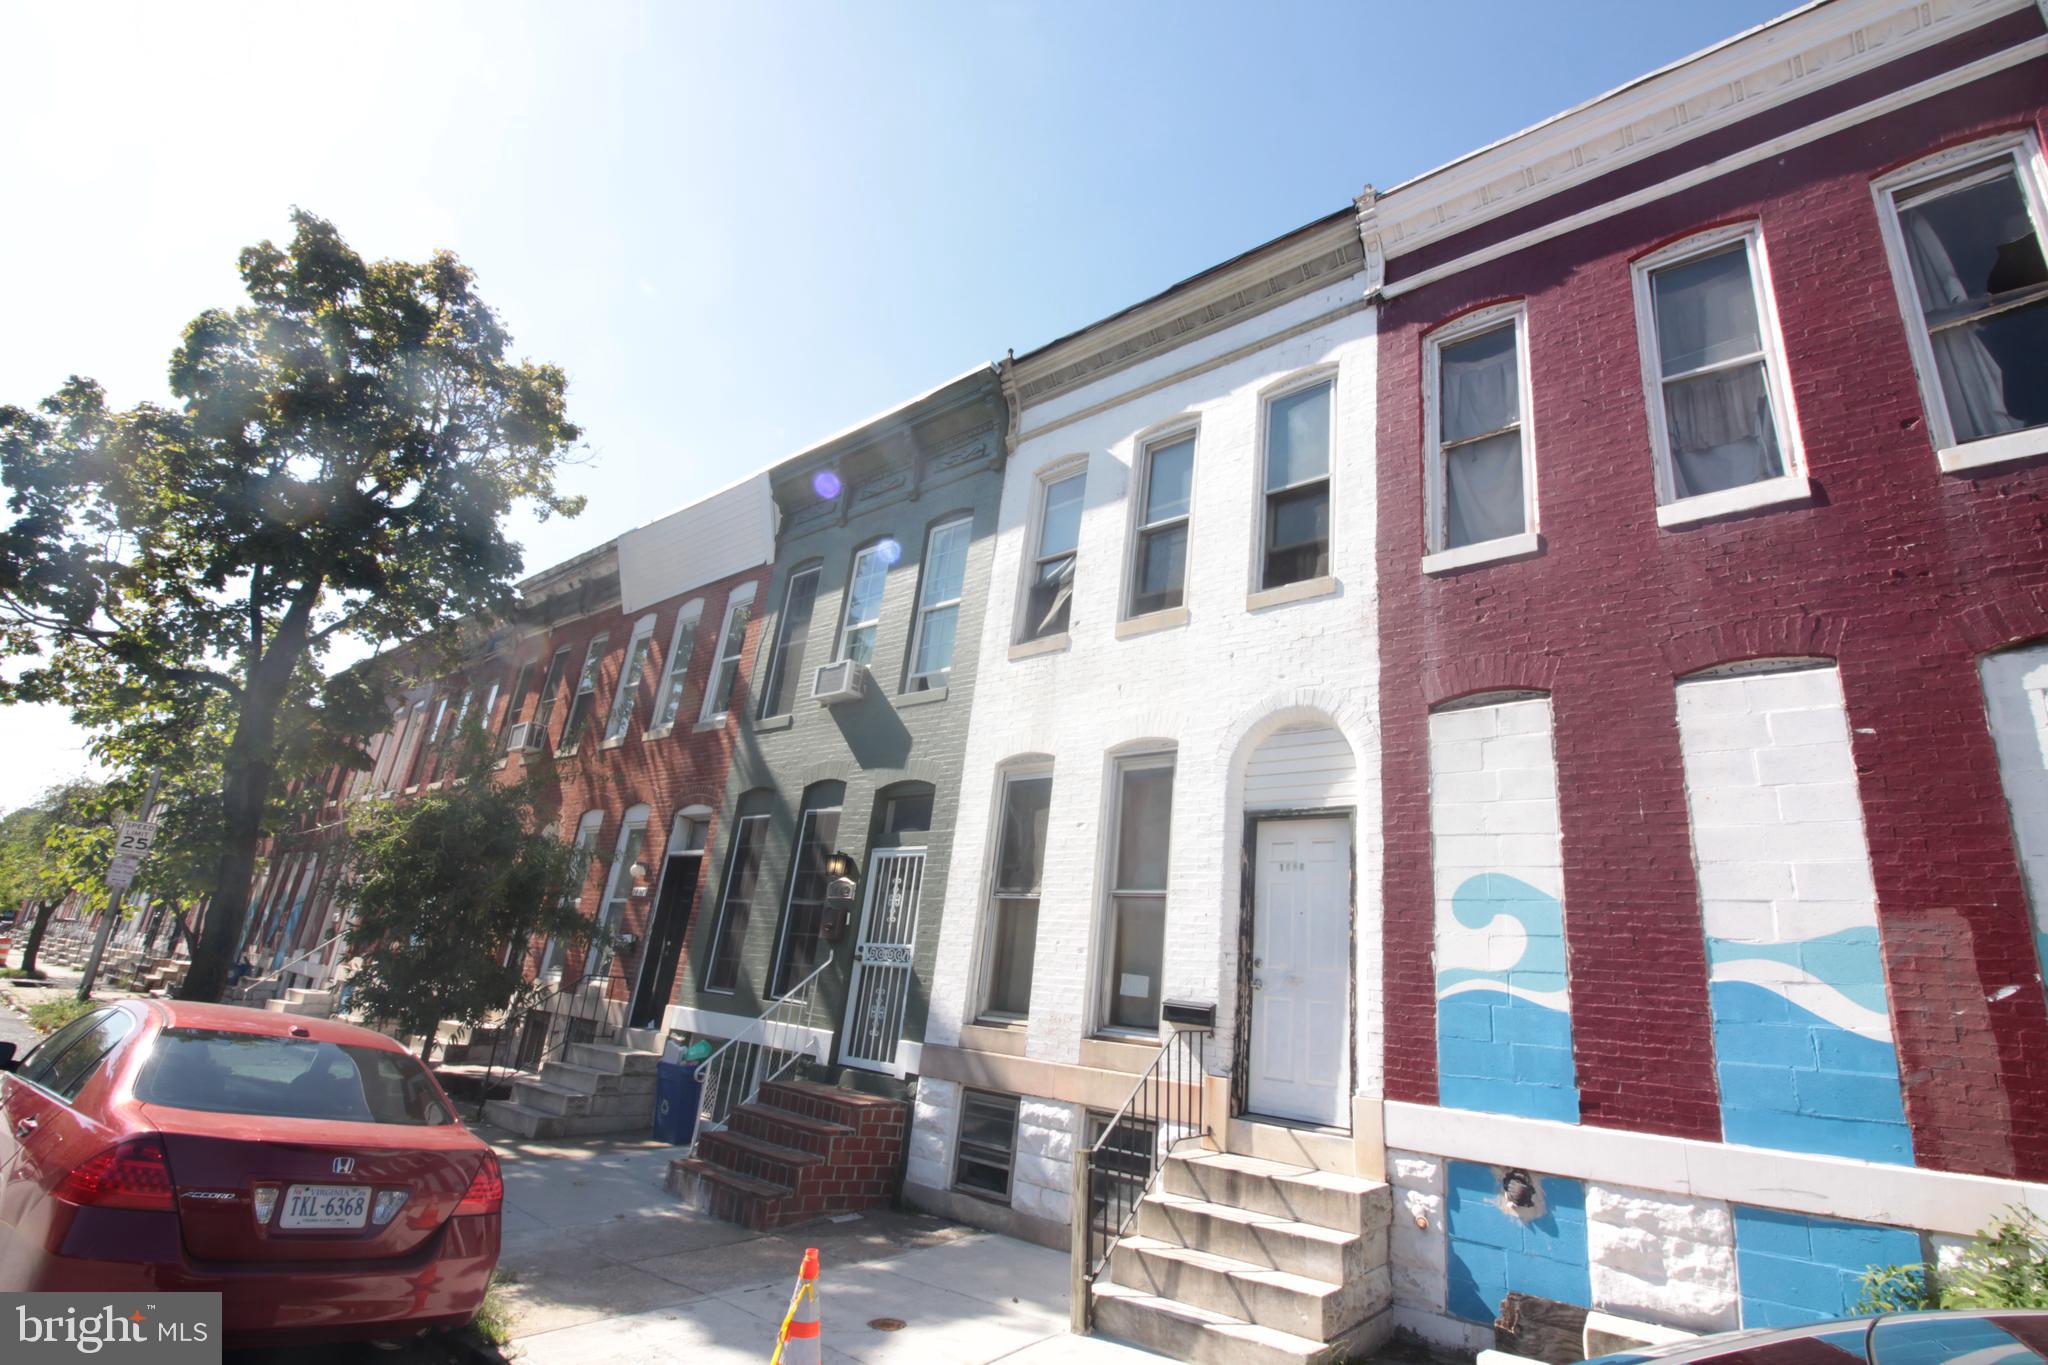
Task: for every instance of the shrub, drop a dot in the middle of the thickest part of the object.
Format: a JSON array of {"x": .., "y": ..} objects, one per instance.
[
  {"x": 52, "y": 1015},
  {"x": 2004, "y": 1266}
]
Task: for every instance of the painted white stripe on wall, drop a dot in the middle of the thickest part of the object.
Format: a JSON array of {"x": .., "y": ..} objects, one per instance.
[{"x": 2016, "y": 696}]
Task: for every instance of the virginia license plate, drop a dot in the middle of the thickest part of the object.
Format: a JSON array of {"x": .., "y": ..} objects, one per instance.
[{"x": 325, "y": 1206}]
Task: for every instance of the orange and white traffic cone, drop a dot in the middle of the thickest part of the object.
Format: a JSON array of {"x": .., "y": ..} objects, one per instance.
[{"x": 799, "y": 1342}]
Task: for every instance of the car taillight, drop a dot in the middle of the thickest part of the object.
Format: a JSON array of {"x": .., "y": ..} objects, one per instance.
[
  {"x": 133, "y": 1175},
  {"x": 486, "y": 1189}
]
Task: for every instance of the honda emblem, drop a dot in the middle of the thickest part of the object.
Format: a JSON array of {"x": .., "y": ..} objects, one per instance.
[{"x": 344, "y": 1165}]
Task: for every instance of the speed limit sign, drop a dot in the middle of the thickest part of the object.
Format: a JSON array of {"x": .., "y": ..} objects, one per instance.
[{"x": 133, "y": 838}]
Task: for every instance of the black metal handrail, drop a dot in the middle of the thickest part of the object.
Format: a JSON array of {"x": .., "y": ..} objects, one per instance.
[
  {"x": 588, "y": 1018},
  {"x": 1113, "y": 1173}
]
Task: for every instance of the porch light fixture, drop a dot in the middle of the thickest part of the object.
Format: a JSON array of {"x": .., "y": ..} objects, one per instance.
[
  {"x": 638, "y": 871},
  {"x": 841, "y": 865}
]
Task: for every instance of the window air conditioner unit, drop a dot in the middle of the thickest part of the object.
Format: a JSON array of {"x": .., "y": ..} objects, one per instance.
[
  {"x": 527, "y": 737},
  {"x": 844, "y": 681}
]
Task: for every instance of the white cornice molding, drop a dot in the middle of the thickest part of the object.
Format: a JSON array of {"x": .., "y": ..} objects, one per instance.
[
  {"x": 1263, "y": 279},
  {"x": 1368, "y": 220},
  {"x": 1790, "y": 57}
]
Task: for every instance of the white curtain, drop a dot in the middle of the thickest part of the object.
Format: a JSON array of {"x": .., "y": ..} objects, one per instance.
[
  {"x": 1970, "y": 377},
  {"x": 1721, "y": 431},
  {"x": 1483, "y": 491},
  {"x": 1482, "y": 478}
]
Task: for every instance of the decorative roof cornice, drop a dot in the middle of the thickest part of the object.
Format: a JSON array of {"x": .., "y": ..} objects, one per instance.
[
  {"x": 1794, "y": 55},
  {"x": 1265, "y": 277}
]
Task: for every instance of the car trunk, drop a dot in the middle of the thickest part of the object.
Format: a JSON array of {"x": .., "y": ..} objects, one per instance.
[{"x": 219, "y": 1164}]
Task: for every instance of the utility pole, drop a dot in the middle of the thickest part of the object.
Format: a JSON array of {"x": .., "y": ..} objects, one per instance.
[{"x": 132, "y": 839}]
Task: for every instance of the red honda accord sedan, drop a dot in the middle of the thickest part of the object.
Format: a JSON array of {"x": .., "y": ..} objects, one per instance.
[{"x": 310, "y": 1172}]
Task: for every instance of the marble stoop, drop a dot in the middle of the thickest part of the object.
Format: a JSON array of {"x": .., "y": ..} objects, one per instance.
[
  {"x": 598, "y": 1088},
  {"x": 1237, "y": 1260}
]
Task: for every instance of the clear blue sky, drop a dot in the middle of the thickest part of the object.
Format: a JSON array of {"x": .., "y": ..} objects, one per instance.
[{"x": 738, "y": 227}]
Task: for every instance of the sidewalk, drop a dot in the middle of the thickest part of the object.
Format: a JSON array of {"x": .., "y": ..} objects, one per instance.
[{"x": 606, "y": 1266}]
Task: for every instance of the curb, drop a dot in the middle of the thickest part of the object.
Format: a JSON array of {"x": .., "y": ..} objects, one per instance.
[{"x": 464, "y": 1345}]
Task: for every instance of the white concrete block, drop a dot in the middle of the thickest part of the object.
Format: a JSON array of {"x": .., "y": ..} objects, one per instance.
[
  {"x": 1807, "y": 763},
  {"x": 1806, "y": 802},
  {"x": 1813, "y": 725},
  {"x": 1834, "y": 881},
  {"x": 1666, "y": 1258}
]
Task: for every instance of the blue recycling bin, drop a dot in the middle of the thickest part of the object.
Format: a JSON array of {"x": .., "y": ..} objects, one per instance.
[{"x": 677, "y": 1093}]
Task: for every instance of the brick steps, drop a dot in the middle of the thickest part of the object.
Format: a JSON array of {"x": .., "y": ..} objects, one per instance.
[{"x": 797, "y": 1152}]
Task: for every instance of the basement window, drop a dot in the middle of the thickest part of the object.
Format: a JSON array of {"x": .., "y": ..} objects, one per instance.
[{"x": 988, "y": 1144}]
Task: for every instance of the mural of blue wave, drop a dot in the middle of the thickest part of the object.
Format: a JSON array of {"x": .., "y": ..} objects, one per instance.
[
  {"x": 1504, "y": 1028},
  {"x": 1803, "y": 1046}
]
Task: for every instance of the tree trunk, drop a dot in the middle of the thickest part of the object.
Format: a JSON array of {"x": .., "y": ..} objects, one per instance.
[
  {"x": 245, "y": 795},
  {"x": 43, "y": 912}
]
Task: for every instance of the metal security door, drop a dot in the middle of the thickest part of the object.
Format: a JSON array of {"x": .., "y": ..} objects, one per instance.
[{"x": 881, "y": 961}]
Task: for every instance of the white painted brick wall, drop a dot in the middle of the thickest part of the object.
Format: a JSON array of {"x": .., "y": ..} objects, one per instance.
[
  {"x": 1662, "y": 1257},
  {"x": 1042, "y": 1180},
  {"x": 934, "y": 1123},
  {"x": 1215, "y": 688}
]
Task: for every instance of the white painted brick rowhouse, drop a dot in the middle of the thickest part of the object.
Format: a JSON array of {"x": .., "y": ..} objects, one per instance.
[{"x": 1265, "y": 700}]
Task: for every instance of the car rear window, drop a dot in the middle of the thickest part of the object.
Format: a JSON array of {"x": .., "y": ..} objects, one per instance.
[{"x": 225, "y": 1072}]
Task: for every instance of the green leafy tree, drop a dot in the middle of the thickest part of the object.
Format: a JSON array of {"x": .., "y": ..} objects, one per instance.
[
  {"x": 50, "y": 848},
  {"x": 344, "y": 451},
  {"x": 438, "y": 886}
]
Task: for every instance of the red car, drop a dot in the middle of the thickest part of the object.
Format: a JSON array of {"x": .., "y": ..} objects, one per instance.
[{"x": 310, "y": 1172}]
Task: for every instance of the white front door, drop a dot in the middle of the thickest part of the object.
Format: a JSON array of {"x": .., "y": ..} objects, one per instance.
[{"x": 1301, "y": 972}]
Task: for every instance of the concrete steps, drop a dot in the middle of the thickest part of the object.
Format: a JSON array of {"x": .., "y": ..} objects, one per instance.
[
  {"x": 1241, "y": 1260},
  {"x": 599, "y": 1088},
  {"x": 299, "y": 1000}
]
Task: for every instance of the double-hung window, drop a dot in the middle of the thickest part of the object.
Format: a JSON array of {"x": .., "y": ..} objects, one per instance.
[
  {"x": 625, "y": 699},
  {"x": 1295, "y": 523},
  {"x": 1049, "y": 593},
  {"x": 732, "y": 639},
  {"x": 1159, "y": 566},
  {"x": 581, "y": 855},
  {"x": 804, "y": 918},
  {"x": 1137, "y": 901},
  {"x": 618, "y": 887},
  {"x": 864, "y": 601},
  {"x": 550, "y": 689},
  {"x": 1013, "y": 896},
  {"x": 1719, "y": 414},
  {"x": 668, "y": 699},
  {"x": 792, "y": 633},
  {"x": 736, "y": 906},
  {"x": 585, "y": 700},
  {"x": 938, "y": 605},
  {"x": 1965, "y": 230},
  {"x": 1480, "y": 469},
  {"x": 512, "y": 701}
]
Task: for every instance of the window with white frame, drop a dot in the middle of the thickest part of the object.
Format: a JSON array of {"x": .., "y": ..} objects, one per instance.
[
  {"x": 1137, "y": 898},
  {"x": 668, "y": 700},
  {"x": 581, "y": 857},
  {"x": 585, "y": 699},
  {"x": 626, "y": 697},
  {"x": 1294, "y": 528},
  {"x": 803, "y": 918},
  {"x": 1966, "y": 230},
  {"x": 490, "y": 706},
  {"x": 618, "y": 887},
  {"x": 1049, "y": 590},
  {"x": 550, "y": 689},
  {"x": 512, "y": 702},
  {"x": 864, "y": 601},
  {"x": 1013, "y": 894},
  {"x": 987, "y": 1148},
  {"x": 1159, "y": 549},
  {"x": 1481, "y": 475},
  {"x": 792, "y": 635},
  {"x": 938, "y": 605},
  {"x": 732, "y": 639},
  {"x": 736, "y": 905},
  {"x": 1714, "y": 365}
]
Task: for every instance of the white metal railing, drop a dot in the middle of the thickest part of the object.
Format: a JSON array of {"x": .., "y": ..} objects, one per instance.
[
  {"x": 250, "y": 984},
  {"x": 766, "y": 1050}
]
